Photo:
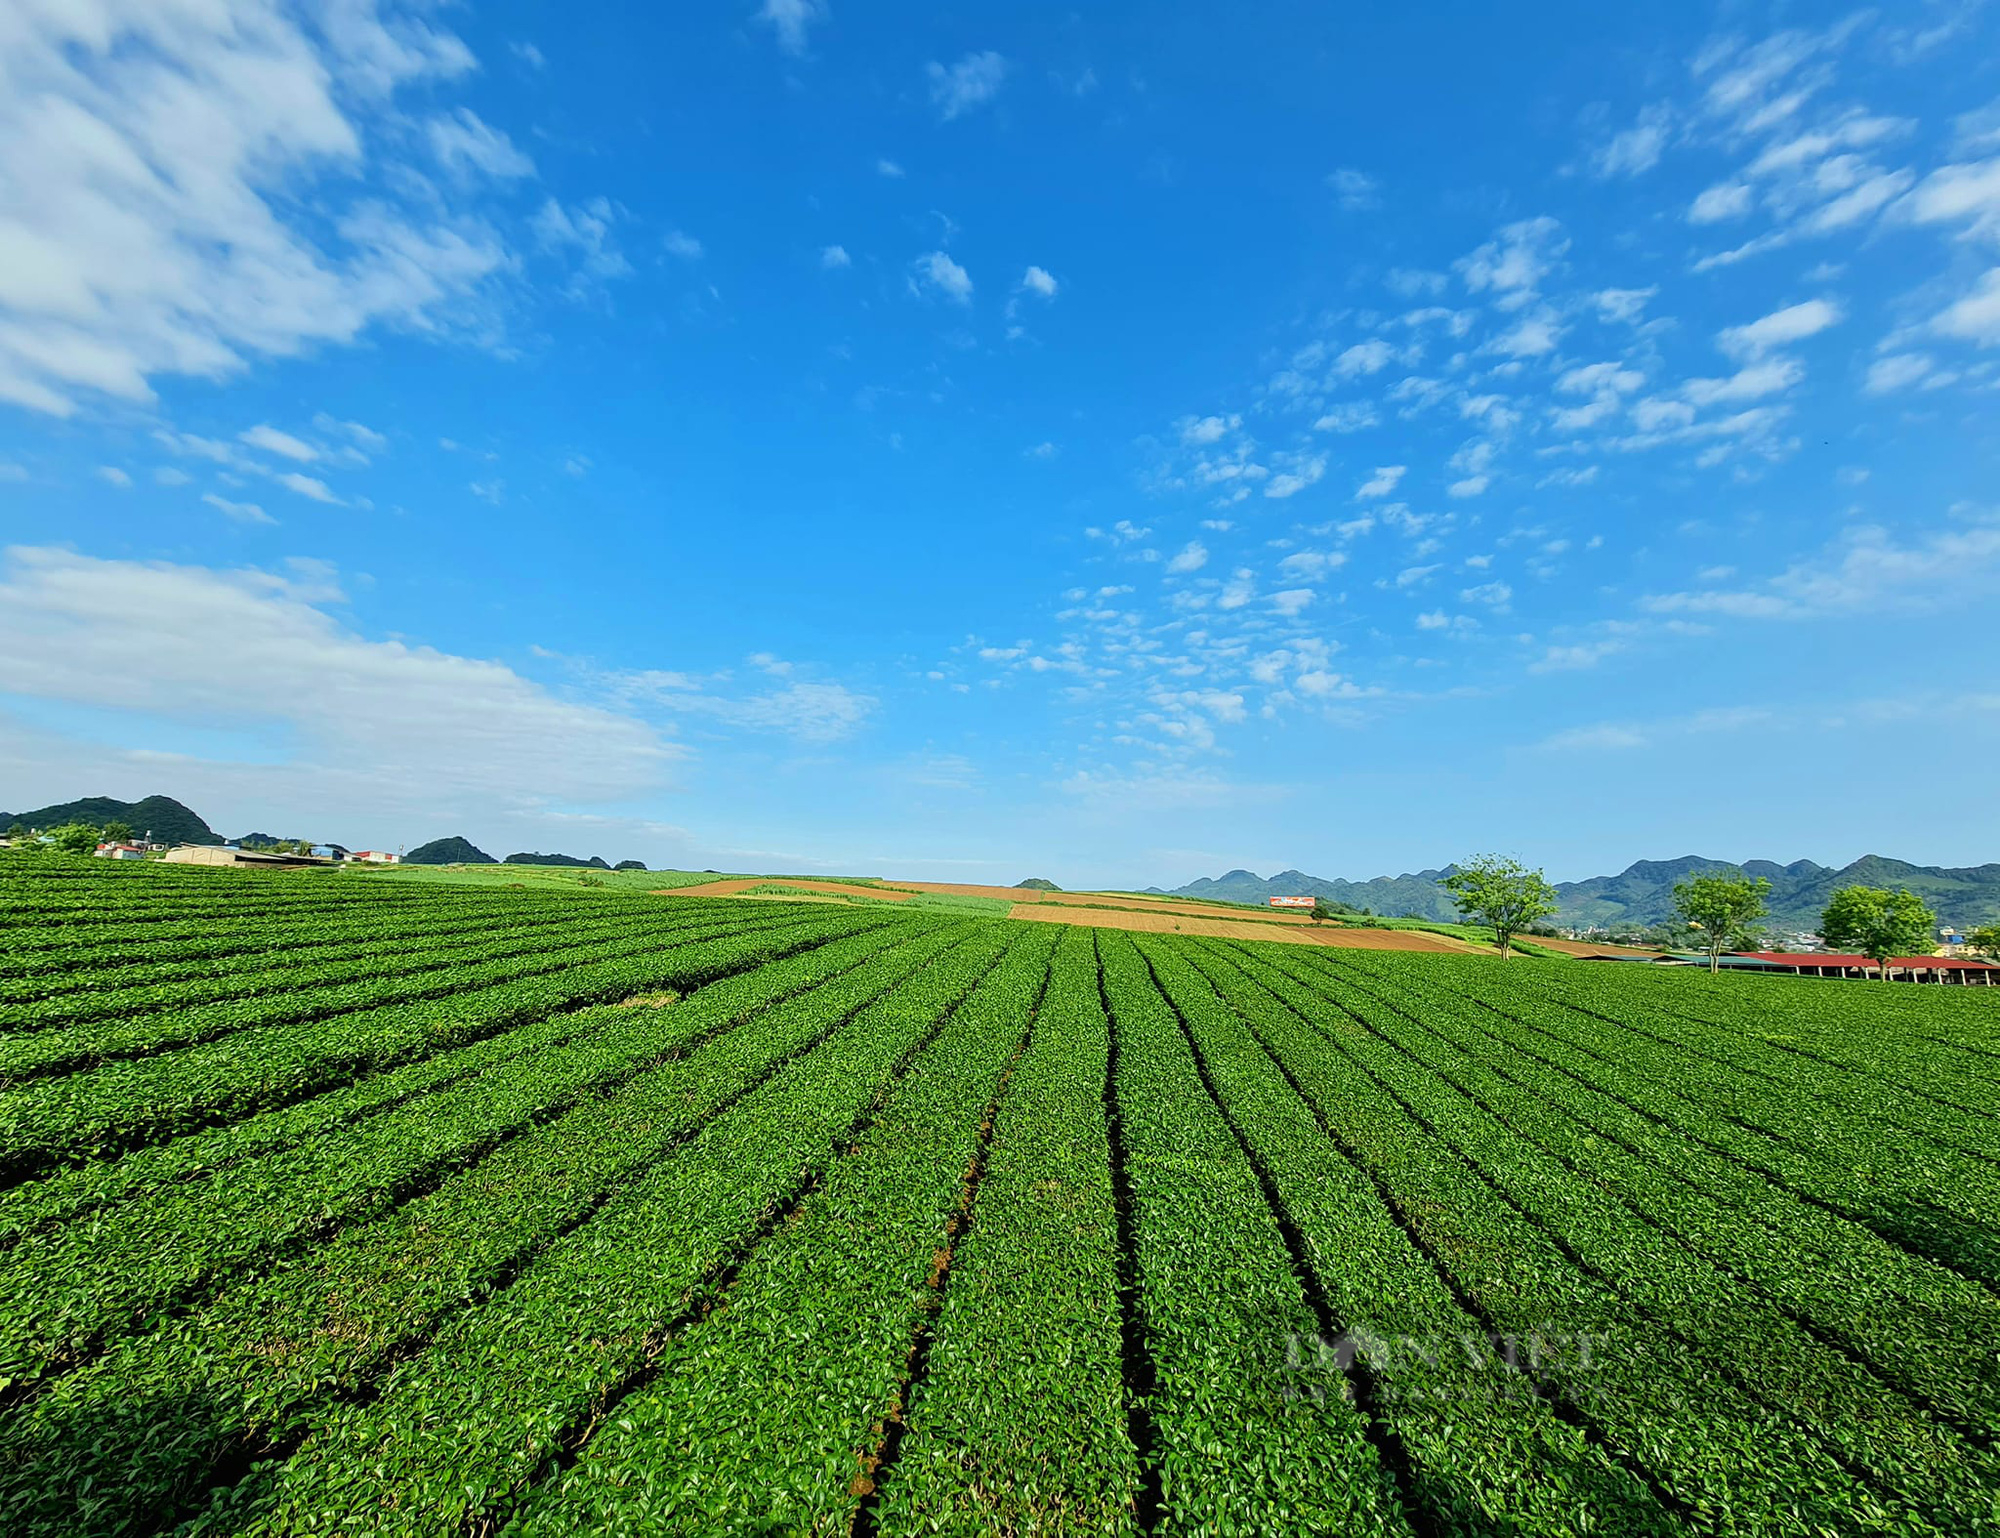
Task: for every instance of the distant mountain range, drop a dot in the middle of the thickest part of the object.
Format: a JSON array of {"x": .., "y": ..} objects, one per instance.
[{"x": 1641, "y": 895}]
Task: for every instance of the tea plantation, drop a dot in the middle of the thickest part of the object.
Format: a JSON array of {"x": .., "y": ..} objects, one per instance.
[{"x": 328, "y": 1206}]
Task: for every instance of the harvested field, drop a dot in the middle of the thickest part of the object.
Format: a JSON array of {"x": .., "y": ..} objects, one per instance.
[
  {"x": 1136, "y": 922},
  {"x": 740, "y": 884},
  {"x": 1131, "y": 900}
]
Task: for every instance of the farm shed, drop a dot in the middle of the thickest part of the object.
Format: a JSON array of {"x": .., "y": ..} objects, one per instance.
[{"x": 214, "y": 854}]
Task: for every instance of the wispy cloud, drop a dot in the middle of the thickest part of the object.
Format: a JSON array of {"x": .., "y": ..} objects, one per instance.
[
  {"x": 219, "y": 259},
  {"x": 972, "y": 82},
  {"x": 791, "y": 21},
  {"x": 1355, "y": 191}
]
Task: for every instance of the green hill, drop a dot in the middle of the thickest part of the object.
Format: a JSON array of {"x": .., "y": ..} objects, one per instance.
[
  {"x": 163, "y": 817},
  {"x": 448, "y": 851}
]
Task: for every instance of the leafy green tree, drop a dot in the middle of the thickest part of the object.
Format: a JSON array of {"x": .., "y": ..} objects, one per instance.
[
  {"x": 114, "y": 833},
  {"x": 1501, "y": 893},
  {"x": 74, "y": 838},
  {"x": 18, "y": 833},
  {"x": 1985, "y": 941},
  {"x": 1878, "y": 924},
  {"x": 1725, "y": 906},
  {"x": 1321, "y": 912}
]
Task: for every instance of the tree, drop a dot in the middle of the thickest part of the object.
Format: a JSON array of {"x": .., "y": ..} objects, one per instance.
[
  {"x": 1985, "y": 941},
  {"x": 1724, "y": 905},
  {"x": 114, "y": 833},
  {"x": 74, "y": 838},
  {"x": 1501, "y": 893},
  {"x": 1321, "y": 912},
  {"x": 1878, "y": 924}
]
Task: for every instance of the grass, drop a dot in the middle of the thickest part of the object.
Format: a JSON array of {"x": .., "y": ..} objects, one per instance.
[{"x": 538, "y": 876}]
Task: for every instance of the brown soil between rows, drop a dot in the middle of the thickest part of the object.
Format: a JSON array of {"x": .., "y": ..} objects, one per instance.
[
  {"x": 1238, "y": 929},
  {"x": 743, "y": 884}
]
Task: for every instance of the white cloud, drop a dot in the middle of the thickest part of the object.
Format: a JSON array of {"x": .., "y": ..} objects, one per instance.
[
  {"x": 242, "y": 512},
  {"x": 585, "y": 230},
  {"x": 1303, "y": 473},
  {"x": 1494, "y": 594},
  {"x": 790, "y": 20},
  {"x": 272, "y": 441},
  {"x": 888, "y": 168},
  {"x": 494, "y": 492},
  {"x": 340, "y": 724},
  {"x": 1600, "y": 378},
  {"x": 1312, "y": 564},
  {"x": 683, "y": 245},
  {"x": 1780, "y": 328},
  {"x": 832, "y": 257},
  {"x": 1587, "y": 738},
  {"x": 1040, "y": 282},
  {"x": 113, "y": 475},
  {"x": 528, "y": 54},
  {"x": 1896, "y": 371},
  {"x": 1197, "y": 431},
  {"x": 1534, "y": 337},
  {"x": 1043, "y": 450},
  {"x": 151, "y": 220},
  {"x": 1867, "y": 570},
  {"x": 1191, "y": 557},
  {"x": 1349, "y": 417},
  {"x": 973, "y": 81},
  {"x": 945, "y": 276},
  {"x": 307, "y": 486},
  {"x": 1363, "y": 358},
  {"x": 1382, "y": 482},
  {"x": 166, "y": 475},
  {"x": 1292, "y": 600},
  {"x": 1415, "y": 283},
  {"x": 1571, "y": 659},
  {"x": 1753, "y": 381},
  {"x": 1725, "y": 200},
  {"x": 1471, "y": 486},
  {"x": 1976, "y": 316},
  {"x": 1512, "y": 265},
  {"x": 1637, "y": 149},
  {"x": 365, "y": 438},
  {"x": 1622, "y": 304},
  {"x": 464, "y": 144},
  {"x": 1959, "y": 192},
  {"x": 1354, "y": 190}
]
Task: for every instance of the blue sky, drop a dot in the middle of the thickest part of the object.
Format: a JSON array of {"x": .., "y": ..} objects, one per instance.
[{"x": 1113, "y": 446}]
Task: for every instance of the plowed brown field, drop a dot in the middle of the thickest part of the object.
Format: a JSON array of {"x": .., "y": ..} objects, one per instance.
[
  {"x": 732, "y": 887},
  {"x": 1134, "y": 901}
]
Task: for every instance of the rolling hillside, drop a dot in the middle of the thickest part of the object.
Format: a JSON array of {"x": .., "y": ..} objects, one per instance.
[{"x": 164, "y": 817}]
